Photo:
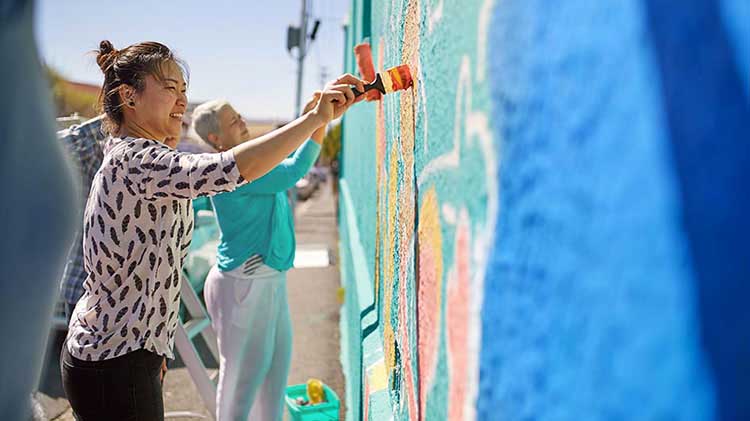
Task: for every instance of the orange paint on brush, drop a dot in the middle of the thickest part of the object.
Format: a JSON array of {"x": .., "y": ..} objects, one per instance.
[
  {"x": 400, "y": 77},
  {"x": 394, "y": 79},
  {"x": 363, "y": 55}
]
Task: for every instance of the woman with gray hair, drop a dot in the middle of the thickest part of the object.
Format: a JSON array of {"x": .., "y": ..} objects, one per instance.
[{"x": 245, "y": 291}]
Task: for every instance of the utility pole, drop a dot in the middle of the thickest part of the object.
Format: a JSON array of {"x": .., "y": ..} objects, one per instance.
[
  {"x": 297, "y": 37},
  {"x": 302, "y": 49},
  {"x": 323, "y": 76}
]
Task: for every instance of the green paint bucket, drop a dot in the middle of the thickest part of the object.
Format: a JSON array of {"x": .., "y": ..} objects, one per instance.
[{"x": 326, "y": 411}]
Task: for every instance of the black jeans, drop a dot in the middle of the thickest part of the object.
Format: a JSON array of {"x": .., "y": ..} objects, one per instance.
[{"x": 122, "y": 388}]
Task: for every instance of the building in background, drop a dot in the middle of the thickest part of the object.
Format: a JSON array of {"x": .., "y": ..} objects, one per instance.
[{"x": 552, "y": 224}]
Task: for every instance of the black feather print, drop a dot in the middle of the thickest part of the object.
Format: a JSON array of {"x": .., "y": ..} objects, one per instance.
[
  {"x": 159, "y": 328},
  {"x": 113, "y": 236},
  {"x": 110, "y": 211},
  {"x": 131, "y": 268},
  {"x": 152, "y": 211},
  {"x": 141, "y": 235},
  {"x": 150, "y": 315},
  {"x": 131, "y": 246},
  {"x": 137, "y": 303},
  {"x": 120, "y": 314},
  {"x": 125, "y": 224},
  {"x": 105, "y": 249},
  {"x": 122, "y": 345},
  {"x": 209, "y": 169},
  {"x": 124, "y": 293},
  {"x": 198, "y": 184}
]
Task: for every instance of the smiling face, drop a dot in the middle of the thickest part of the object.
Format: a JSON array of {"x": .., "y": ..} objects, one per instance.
[
  {"x": 232, "y": 127},
  {"x": 160, "y": 105}
]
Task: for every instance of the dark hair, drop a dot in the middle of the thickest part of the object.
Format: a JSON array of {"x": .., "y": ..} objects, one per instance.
[{"x": 129, "y": 66}]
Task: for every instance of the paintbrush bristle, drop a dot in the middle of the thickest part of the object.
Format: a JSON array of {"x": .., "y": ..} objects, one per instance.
[{"x": 397, "y": 78}]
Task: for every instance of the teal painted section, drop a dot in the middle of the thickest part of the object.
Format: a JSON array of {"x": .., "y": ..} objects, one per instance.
[{"x": 420, "y": 170}]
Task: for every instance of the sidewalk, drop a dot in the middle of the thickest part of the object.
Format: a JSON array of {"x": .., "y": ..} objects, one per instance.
[{"x": 314, "y": 310}]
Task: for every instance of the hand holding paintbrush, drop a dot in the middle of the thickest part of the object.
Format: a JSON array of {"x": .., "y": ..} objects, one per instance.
[{"x": 394, "y": 79}]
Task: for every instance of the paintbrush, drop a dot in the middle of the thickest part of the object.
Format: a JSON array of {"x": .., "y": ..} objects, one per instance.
[{"x": 394, "y": 79}]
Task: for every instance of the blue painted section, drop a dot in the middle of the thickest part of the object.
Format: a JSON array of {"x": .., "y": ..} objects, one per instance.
[
  {"x": 709, "y": 121},
  {"x": 602, "y": 299}
]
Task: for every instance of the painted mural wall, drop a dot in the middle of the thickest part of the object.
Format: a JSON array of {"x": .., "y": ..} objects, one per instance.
[{"x": 549, "y": 224}]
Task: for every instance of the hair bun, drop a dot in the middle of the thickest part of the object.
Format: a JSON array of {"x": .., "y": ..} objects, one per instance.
[{"x": 106, "y": 55}]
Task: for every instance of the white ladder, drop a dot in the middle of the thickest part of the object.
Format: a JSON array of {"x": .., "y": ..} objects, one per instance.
[{"x": 199, "y": 324}]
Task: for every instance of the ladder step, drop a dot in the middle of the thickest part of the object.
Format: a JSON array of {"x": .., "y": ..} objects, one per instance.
[{"x": 195, "y": 326}]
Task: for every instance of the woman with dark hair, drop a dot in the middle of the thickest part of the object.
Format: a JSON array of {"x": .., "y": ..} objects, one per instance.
[{"x": 138, "y": 224}]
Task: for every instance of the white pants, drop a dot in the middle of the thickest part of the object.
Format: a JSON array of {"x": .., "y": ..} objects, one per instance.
[{"x": 250, "y": 314}]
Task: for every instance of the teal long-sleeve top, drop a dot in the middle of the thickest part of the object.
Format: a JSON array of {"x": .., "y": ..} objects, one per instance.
[{"x": 257, "y": 219}]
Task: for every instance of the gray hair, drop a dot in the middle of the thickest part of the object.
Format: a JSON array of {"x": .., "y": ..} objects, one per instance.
[{"x": 206, "y": 118}]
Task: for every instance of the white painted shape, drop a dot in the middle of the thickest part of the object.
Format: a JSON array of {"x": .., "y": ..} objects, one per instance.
[
  {"x": 485, "y": 15},
  {"x": 434, "y": 16},
  {"x": 449, "y": 213}
]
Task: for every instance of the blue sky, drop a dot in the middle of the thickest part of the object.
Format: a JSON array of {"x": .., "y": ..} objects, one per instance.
[{"x": 235, "y": 49}]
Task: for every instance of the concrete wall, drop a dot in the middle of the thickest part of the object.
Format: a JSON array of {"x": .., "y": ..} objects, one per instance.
[{"x": 550, "y": 224}]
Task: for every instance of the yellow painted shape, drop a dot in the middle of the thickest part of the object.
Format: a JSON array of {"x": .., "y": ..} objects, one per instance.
[{"x": 376, "y": 377}]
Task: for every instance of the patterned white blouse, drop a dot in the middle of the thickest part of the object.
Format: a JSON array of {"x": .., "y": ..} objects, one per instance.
[{"x": 138, "y": 226}]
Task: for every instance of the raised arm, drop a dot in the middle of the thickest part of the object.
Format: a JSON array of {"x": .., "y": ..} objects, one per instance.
[
  {"x": 257, "y": 157},
  {"x": 286, "y": 174}
]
